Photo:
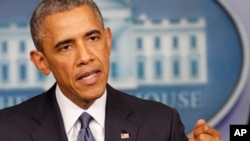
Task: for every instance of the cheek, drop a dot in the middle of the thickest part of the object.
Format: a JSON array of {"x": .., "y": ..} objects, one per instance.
[
  {"x": 63, "y": 74},
  {"x": 61, "y": 67},
  {"x": 106, "y": 63}
]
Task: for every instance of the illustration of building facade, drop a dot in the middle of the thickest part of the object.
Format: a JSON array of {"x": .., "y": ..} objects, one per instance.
[{"x": 170, "y": 51}]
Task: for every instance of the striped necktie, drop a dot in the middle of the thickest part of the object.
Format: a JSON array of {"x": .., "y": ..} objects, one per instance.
[{"x": 85, "y": 132}]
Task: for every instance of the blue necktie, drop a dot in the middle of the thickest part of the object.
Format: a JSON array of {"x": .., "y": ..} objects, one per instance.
[{"x": 85, "y": 132}]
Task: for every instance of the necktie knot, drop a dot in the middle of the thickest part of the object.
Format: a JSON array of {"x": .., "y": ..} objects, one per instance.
[{"x": 85, "y": 118}]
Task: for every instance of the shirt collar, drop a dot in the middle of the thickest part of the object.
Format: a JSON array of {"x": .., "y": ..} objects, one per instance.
[{"x": 70, "y": 111}]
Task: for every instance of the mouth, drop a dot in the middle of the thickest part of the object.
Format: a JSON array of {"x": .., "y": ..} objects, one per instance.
[{"x": 89, "y": 77}]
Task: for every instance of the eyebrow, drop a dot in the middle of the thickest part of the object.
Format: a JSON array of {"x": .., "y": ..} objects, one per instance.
[
  {"x": 91, "y": 32},
  {"x": 63, "y": 42}
]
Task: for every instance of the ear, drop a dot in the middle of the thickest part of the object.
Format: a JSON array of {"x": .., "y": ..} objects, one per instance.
[
  {"x": 108, "y": 34},
  {"x": 40, "y": 61}
]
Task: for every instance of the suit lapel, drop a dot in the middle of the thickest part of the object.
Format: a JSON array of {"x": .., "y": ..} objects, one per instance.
[
  {"x": 48, "y": 116},
  {"x": 117, "y": 124}
]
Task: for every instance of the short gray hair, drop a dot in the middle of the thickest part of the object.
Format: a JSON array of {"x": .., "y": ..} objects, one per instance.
[{"x": 49, "y": 7}]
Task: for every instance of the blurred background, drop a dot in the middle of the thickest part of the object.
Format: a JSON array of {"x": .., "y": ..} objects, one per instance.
[{"x": 192, "y": 55}]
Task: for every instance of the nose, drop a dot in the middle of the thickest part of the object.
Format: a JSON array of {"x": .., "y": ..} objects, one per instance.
[{"x": 84, "y": 55}]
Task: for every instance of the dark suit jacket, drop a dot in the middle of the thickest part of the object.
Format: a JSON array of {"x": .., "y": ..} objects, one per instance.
[{"x": 39, "y": 119}]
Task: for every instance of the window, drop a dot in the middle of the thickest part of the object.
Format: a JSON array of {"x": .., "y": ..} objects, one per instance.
[
  {"x": 22, "y": 47},
  {"x": 4, "y": 47},
  {"x": 140, "y": 70},
  {"x": 139, "y": 43},
  {"x": 157, "y": 42},
  {"x": 194, "y": 68},
  {"x": 175, "y": 43},
  {"x": 114, "y": 45},
  {"x": 193, "y": 42},
  {"x": 176, "y": 68},
  {"x": 158, "y": 69},
  {"x": 175, "y": 21},
  {"x": 114, "y": 70},
  {"x": 23, "y": 72},
  {"x": 5, "y": 72}
]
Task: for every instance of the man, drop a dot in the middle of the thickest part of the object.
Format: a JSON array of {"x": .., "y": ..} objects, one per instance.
[{"x": 74, "y": 46}]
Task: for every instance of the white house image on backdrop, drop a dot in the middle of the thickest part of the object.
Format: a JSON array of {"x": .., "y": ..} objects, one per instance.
[{"x": 145, "y": 51}]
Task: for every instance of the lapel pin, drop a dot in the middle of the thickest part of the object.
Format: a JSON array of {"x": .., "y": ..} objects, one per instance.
[{"x": 124, "y": 135}]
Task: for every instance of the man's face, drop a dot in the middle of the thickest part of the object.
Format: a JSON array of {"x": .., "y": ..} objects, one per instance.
[{"x": 76, "y": 49}]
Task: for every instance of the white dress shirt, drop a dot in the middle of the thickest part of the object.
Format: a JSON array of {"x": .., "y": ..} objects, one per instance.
[{"x": 71, "y": 112}]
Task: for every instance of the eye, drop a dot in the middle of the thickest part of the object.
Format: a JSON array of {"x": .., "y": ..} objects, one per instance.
[
  {"x": 93, "y": 38},
  {"x": 65, "y": 47}
]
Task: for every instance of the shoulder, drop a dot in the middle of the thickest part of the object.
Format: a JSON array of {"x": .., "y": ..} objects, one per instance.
[
  {"x": 26, "y": 108},
  {"x": 151, "y": 116},
  {"x": 23, "y": 108},
  {"x": 145, "y": 109}
]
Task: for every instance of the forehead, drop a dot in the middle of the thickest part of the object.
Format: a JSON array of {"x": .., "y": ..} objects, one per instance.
[
  {"x": 69, "y": 24},
  {"x": 76, "y": 19}
]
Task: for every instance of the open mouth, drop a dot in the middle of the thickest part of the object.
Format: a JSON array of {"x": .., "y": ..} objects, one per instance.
[{"x": 88, "y": 75}]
